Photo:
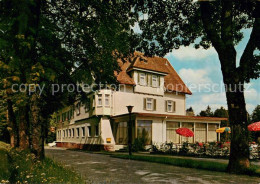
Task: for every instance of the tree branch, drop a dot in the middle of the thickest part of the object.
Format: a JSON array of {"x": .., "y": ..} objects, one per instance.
[
  {"x": 209, "y": 27},
  {"x": 247, "y": 61}
]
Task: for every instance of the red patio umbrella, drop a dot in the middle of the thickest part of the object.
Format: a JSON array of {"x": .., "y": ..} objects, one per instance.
[
  {"x": 254, "y": 126},
  {"x": 185, "y": 132}
]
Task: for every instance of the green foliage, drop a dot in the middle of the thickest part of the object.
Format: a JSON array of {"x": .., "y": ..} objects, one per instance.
[
  {"x": 255, "y": 117},
  {"x": 139, "y": 144},
  {"x": 207, "y": 112},
  {"x": 20, "y": 167}
]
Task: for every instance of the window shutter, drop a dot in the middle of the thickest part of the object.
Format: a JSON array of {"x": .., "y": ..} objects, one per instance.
[
  {"x": 154, "y": 104},
  {"x": 151, "y": 81},
  {"x": 165, "y": 105},
  {"x": 147, "y": 81},
  {"x": 144, "y": 103},
  {"x": 138, "y": 78},
  {"x": 159, "y": 82},
  {"x": 174, "y": 106}
]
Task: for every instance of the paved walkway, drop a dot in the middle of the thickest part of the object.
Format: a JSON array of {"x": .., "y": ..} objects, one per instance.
[{"x": 99, "y": 168}]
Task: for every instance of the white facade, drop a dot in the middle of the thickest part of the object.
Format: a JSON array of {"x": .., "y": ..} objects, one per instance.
[{"x": 102, "y": 119}]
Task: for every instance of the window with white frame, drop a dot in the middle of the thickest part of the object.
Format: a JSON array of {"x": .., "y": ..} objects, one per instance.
[
  {"x": 170, "y": 106},
  {"x": 142, "y": 79},
  {"x": 72, "y": 132},
  {"x": 96, "y": 130},
  {"x": 87, "y": 105},
  {"x": 78, "y": 108},
  {"x": 77, "y": 130},
  {"x": 99, "y": 100},
  {"x": 107, "y": 100},
  {"x": 89, "y": 131},
  {"x": 149, "y": 104},
  {"x": 69, "y": 132},
  {"x": 154, "y": 81},
  {"x": 83, "y": 131}
]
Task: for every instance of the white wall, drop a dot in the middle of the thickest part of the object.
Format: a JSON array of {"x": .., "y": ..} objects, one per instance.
[{"x": 122, "y": 99}]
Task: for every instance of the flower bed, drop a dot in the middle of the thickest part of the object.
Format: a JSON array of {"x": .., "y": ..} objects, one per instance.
[{"x": 209, "y": 150}]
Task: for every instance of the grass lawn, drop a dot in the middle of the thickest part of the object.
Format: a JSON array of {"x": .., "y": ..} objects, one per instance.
[
  {"x": 187, "y": 162},
  {"x": 20, "y": 167}
]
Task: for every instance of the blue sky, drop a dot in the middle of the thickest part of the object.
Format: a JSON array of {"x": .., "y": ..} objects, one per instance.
[{"x": 199, "y": 66}]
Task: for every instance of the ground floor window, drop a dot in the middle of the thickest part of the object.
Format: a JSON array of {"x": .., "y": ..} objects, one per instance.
[
  {"x": 171, "y": 135},
  {"x": 191, "y": 127},
  {"x": 201, "y": 132},
  {"x": 83, "y": 131},
  {"x": 77, "y": 132},
  {"x": 144, "y": 130},
  {"x": 212, "y": 135},
  {"x": 121, "y": 134}
]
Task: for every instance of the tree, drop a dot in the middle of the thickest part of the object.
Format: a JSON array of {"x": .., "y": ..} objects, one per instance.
[
  {"x": 167, "y": 25},
  {"x": 207, "y": 112},
  {"x": 190, "y": 111},
  {"x": 222, "y": 113},
  {"x": 43, "y": 42},
  {"x": 255, "y": 117}
]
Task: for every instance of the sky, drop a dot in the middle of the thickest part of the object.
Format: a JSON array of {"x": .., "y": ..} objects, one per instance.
[{"x": 200, "y": 70}]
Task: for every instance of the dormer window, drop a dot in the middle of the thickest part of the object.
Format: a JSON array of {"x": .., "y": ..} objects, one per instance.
[
  {"x": 107, "y": 100},
  {"x": 142, "y": 79},
  {"x": 99, "y": 99},
  {"x": 154, "y": 81}
]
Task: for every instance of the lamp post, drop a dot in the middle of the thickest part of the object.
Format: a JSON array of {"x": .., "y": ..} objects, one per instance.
[{"x": 130, "y": 108}]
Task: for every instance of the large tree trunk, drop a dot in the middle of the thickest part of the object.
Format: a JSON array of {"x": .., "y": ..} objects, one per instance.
[
  {"x": 37, "y": 127},
  {"x": 12, "y": 125},
  {"x": 239, "y": 150},
  {"x": 23, "y": 128},
  {"x": 239, "y": 153}
]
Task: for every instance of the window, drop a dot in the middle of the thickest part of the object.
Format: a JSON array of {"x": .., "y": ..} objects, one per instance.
[
  {"x": 63, "y": 133},
  {"x": 78, "y": 108},
  {"x": 171, "y": 135},
  {"x": 212, "y": 135},
  {"x": 72, "y": 132},
  {"x": 144, "y": 130},
  {"x": 142, "y": 79},
  {"x": 71, "y": 113},
  {"x": 154, "y": 81},
  {"x": 69, "y": 132},
  {"x": 99, "y": 99},
  {"x": 121, "y": 134},
  {"x": 149, "y": 104},
  {"x": 83, "y": 131},
  {"x": 77, "y": 132},
  {"x": 87, "y": 105},
  {"x": 201, "y": 132},
  {"x": 96, "y": 130},
  {"x": 107, "y": 100},
  {"x": 191, "y": 127},
  {"x": 89, "y": 131},
  {"x": 170, "y": 106}
]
